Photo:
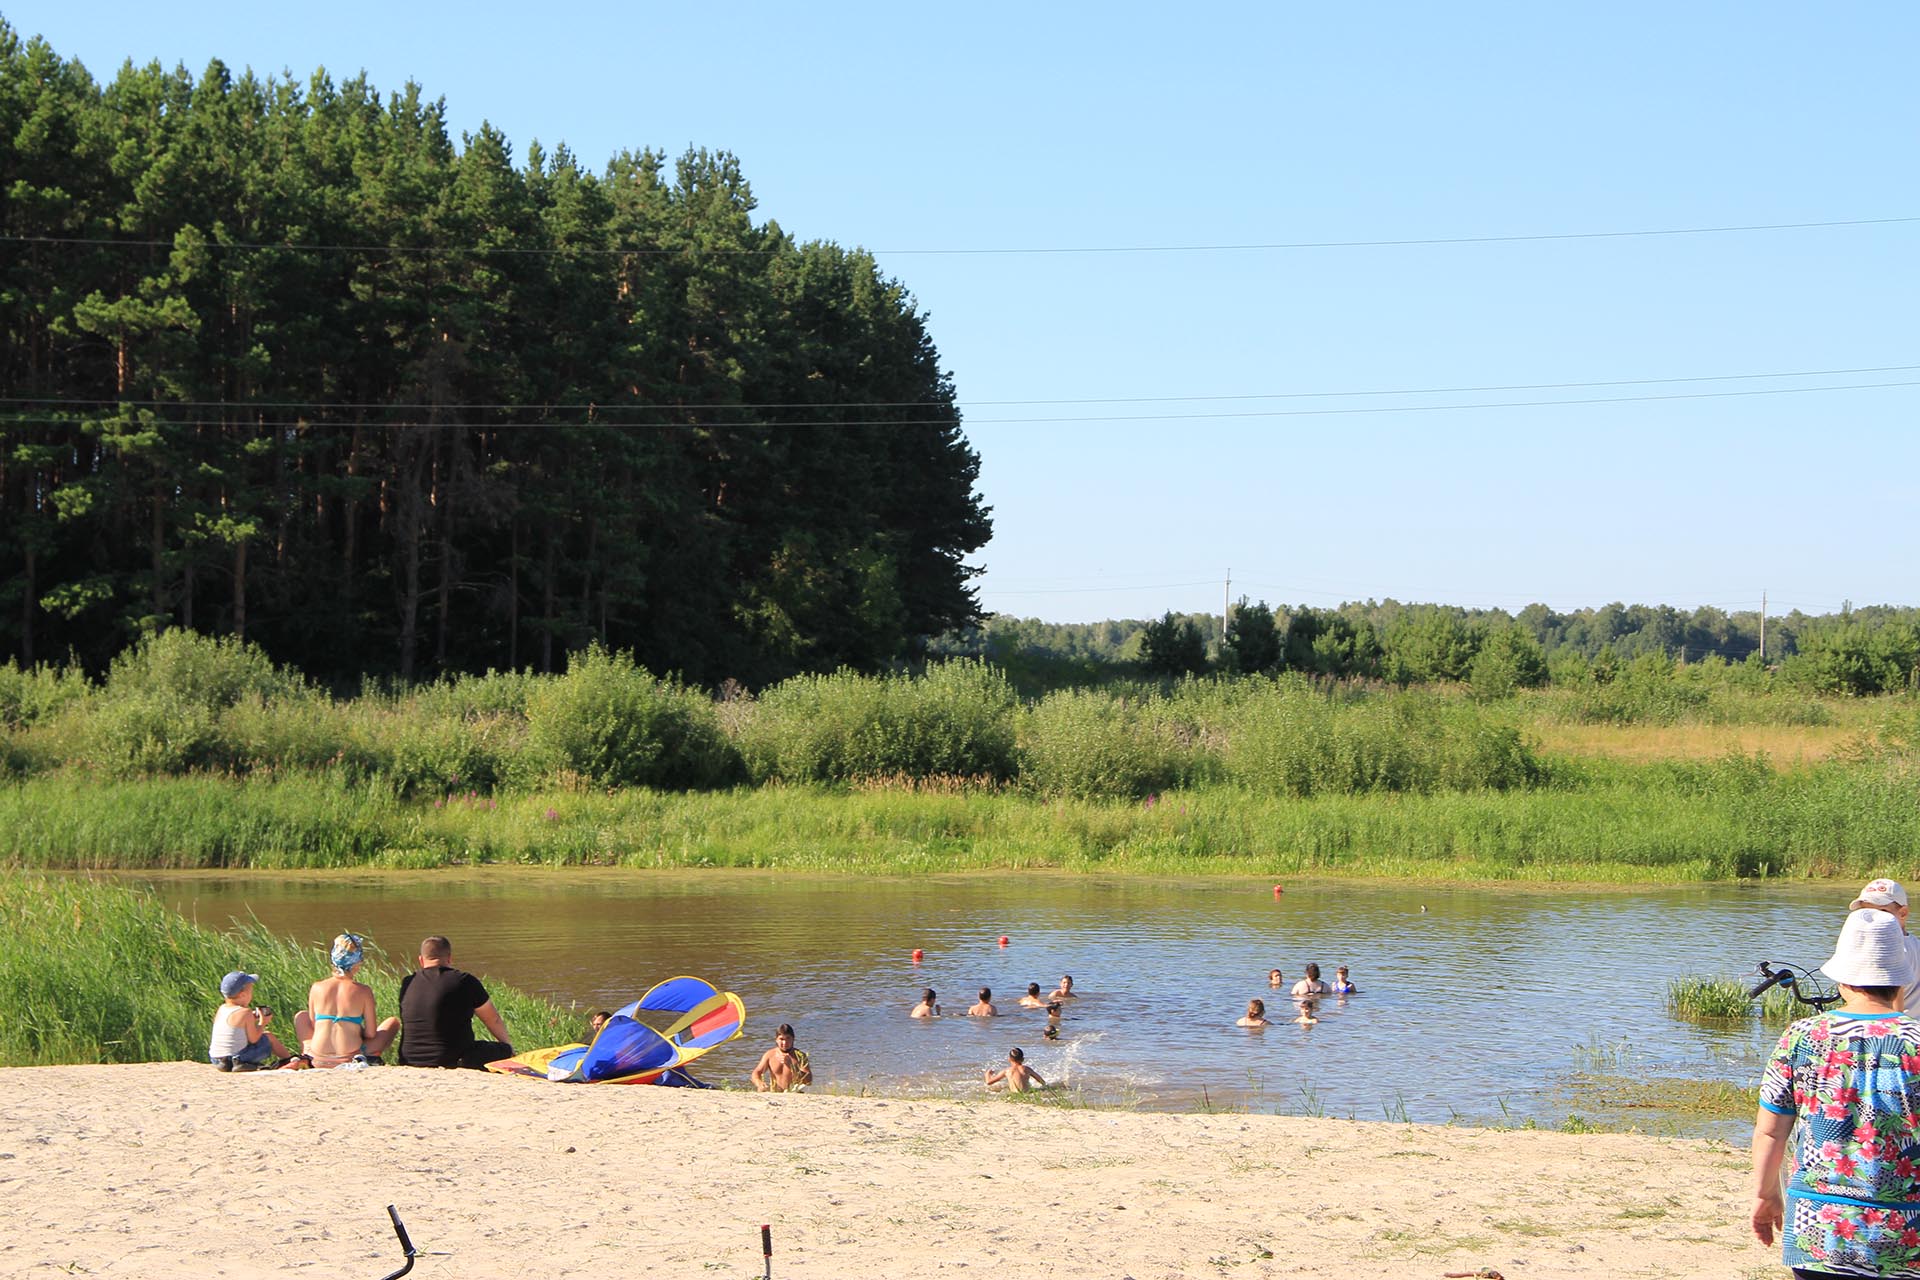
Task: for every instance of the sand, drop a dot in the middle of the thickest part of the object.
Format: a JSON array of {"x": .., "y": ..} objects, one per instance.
[{"x": 174, "y": 1169}]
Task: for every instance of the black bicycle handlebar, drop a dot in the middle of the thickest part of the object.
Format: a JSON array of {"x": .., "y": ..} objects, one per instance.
[
  {"x": 1790, "y": 976},
  {"x": 406, "y": 1245}
]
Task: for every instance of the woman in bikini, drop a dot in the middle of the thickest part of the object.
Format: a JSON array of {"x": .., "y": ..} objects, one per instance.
[{"x": 334, "y": 1027}]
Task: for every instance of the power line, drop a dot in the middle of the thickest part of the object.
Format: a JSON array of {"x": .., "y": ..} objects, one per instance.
[
  {"x": 108, "y": 242},
  {"x": 598, "y": 408},
  {"x": 1062, "y": 421}
]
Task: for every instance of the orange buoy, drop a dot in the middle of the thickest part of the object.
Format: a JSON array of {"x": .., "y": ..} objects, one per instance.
[
  {"x": 1003, "y": 939},
  {"x": 1277, "y": 891},
  {"x": 916, "y": 955}
]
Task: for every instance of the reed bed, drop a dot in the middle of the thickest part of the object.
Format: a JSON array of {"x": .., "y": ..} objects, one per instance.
[
  {"x": 1703, "y": 999},
  {"x": 1615, "y": 824},
  {"x": 92, "y": 972}
]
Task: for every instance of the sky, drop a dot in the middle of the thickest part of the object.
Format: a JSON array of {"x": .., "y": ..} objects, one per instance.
[{"x": 1086, "y": 202}]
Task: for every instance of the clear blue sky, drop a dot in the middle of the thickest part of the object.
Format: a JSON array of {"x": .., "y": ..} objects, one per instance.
[{"x": 902, "y": 127}]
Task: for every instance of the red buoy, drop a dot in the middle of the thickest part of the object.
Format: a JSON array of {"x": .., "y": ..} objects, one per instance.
[
  {"x": 916, "y": 955},
  {"x": 1003, "y": 939},
  {"x": 1277, "y": 891}
]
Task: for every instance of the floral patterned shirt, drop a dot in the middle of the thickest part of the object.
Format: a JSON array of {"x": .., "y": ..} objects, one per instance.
[{"x": 1853, "y": 1201}]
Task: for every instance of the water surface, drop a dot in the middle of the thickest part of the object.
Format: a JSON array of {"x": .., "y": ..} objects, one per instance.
[{"x": 1476, "y": 1003}]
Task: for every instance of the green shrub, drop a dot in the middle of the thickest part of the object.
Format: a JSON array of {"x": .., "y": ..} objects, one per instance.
[
  {"x": 38, "y": 693},
  {"x": 1295, "y": 742},
  {"x": 1086, "y": 744},
  {"x": 161, "y": 707},
  {"x": 610, "y": 721},
  {"x": 956, "y": 721}
]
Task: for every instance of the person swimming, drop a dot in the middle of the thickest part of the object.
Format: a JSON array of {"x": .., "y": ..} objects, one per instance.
[
  {"x": 1342, "y": 983},
  {"x": 984, "y": 1009},
  {"x": 1276, "y": 979},
  {"x": 1065, "y": 990},
  {"x": 1256, "y": 1015},
  {"x": 1033, "y": 998},
  {"x": 926, "y": 1008}
]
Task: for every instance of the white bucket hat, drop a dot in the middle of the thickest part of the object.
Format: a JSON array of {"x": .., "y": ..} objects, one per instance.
[{"x": 1871, "y": 952}]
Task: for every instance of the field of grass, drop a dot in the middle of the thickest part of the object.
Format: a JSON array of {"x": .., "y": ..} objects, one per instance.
[{"x": 99, "y": 973}]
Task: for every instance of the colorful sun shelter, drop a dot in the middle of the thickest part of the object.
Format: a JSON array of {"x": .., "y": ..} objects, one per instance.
[{"x": 628, "y": 1051}]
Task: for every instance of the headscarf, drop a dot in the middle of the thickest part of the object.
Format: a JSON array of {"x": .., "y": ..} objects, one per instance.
[{"x": 346, "y": 953}]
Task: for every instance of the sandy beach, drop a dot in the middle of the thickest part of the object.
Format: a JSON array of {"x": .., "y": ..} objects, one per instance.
[{"x": 174, "y": 1169}]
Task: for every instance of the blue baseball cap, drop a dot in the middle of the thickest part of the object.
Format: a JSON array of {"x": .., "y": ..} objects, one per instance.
[{"x": 236, "y": 982}]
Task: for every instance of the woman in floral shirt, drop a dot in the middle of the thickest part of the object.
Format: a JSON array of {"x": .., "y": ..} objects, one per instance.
[{"x": 1851, "y": 1078}]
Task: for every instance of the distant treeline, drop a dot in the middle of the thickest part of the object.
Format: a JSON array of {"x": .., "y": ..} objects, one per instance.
[
  {"x": 1869, "y": 650},
  {"x": 281, "y": 361}
]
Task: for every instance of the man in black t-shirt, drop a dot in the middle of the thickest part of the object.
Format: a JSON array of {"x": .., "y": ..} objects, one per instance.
[{"x": 437, "y": 1008}]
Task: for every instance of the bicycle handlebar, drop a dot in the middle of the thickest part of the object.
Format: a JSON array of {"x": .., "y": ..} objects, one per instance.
[{"x": 400, "y": 1230}]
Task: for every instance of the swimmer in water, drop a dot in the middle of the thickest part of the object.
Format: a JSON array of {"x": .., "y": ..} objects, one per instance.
[
  {"x": 1256, "y": 1015},
  {"x": 985, "y": 1008},
  {"x": 1065, "y": 989},
  {"x": 926, "y": 1008},
  {"x": 1018, "y": 1075},
  {"x": 1033, "y": 999},
  {"x": 1310, "y": 986},
  {"x": 1306, "y": 1018},
  {"x": 1342, "y": 983},
  {"x": 1276, "y": 979}
]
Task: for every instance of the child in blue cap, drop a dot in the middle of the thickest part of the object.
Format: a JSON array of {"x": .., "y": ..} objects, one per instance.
[{"x": 240, "y": 1038}]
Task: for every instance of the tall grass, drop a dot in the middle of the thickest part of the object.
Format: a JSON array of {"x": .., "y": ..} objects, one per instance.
[
  {"x": 99, "y": 973},
  {"x": 1720, "y": 999},
  {"x": 1605, "y": 823}
]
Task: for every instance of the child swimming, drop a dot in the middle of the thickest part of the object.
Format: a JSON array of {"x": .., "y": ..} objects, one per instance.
[
  {"x": 1019, "y": 1076},
  {"x": 1342, "y": 983},
  {"x": 985, "y": 1008}
]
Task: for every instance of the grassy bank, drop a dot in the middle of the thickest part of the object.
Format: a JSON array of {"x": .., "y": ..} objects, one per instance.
[
  {"x": 1601, "y": 821},
  {"x": 98, "y": 973}
]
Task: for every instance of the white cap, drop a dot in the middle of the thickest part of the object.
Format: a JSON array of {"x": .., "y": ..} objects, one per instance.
[
  {"x": 1872, "y": 952},
  {"x": 1880, "y": 893}
]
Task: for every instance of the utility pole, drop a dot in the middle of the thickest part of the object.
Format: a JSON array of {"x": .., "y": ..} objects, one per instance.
[
  {"x": 1763, "y": 628},
  {"x": 1226, "y": 603}
]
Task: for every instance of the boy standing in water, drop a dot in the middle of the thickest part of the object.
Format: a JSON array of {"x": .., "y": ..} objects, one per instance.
[
  {"x": 1019, "y": 1076},
  {"x": 1032, "y": 999},
  {"x": 783, "y": 1068},
  {"x": 926, "y": 1008},
  {"x": 985, "y": 1008}
]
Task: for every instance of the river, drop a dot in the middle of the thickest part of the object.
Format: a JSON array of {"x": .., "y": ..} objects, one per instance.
[{"x": 1477, "y": 1004}]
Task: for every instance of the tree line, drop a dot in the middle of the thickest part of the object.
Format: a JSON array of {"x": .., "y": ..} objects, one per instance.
[
  {"x": 1875, "y": 649},
  {"x": 284, "y": 362}
]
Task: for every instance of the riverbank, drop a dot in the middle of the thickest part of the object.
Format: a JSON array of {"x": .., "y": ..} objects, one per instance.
[
  {"x": 1600, "y": 822},
  {"x": 173, "y": 1169}
]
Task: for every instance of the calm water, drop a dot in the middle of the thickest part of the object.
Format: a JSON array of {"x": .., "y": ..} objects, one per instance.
[{"x": 1482, "y": 1006}]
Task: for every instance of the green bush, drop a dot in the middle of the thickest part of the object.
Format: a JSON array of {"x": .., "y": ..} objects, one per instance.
[
  {"x": 1086, "y": 744},
  {"x": 31, "y": 696},
  {"x": 956, "y": 721},
  {"x": 1295, "y": 742},
  {"x": 161, "y": 707},
  {"x": 610, "y": 721}
]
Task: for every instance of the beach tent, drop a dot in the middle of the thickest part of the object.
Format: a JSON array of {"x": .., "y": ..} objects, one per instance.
[{"x": 628, "y": 1051}]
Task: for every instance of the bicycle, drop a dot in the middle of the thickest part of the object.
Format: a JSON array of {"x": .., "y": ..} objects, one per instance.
[{"x": 1817, "y": 993}]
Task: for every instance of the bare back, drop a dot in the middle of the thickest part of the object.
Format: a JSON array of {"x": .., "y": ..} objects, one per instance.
[{"x": 329, "y": 1001}]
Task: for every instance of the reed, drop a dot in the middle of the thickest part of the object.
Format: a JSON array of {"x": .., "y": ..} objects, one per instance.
[
  {"x": 91, "y": 972},
  {"x": 1731, "y": 819},
  {"x": 1719, "y": 999}
]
